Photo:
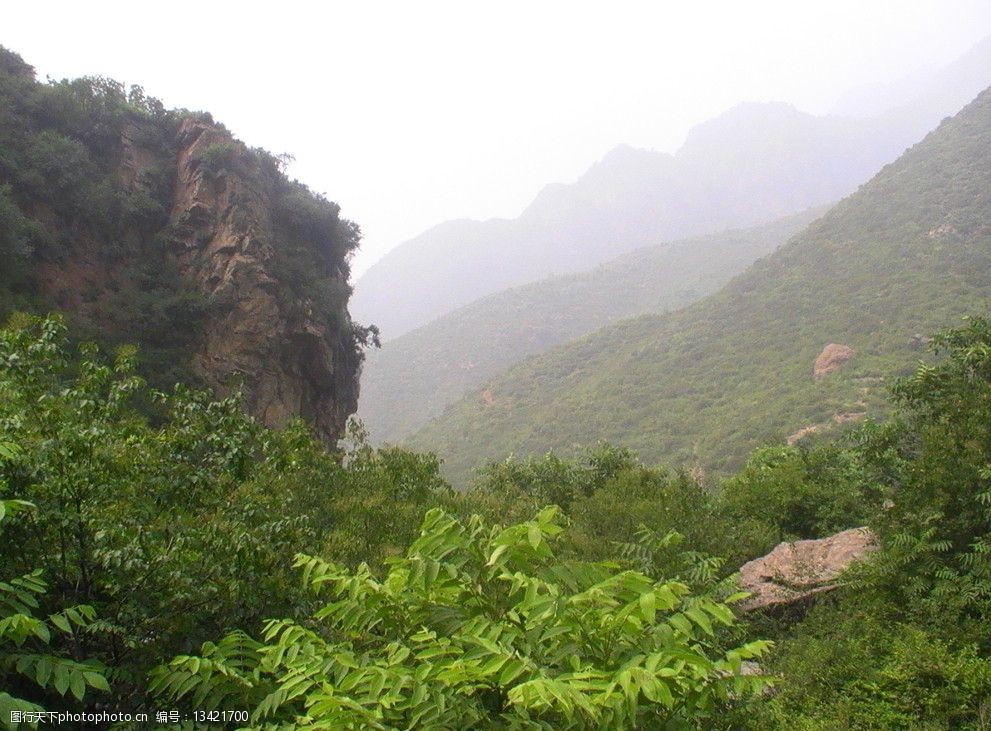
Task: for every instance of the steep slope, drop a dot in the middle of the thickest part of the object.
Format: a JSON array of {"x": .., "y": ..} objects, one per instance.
[
  {"x": 755, "y": 163},
  {"x": 414, "y": 377},
  {"x": 158, "y": 228},
  {"x": 909, "y": 253}
]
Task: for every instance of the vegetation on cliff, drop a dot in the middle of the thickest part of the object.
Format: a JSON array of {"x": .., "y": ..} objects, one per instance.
[{"x": 156, "y": 227}]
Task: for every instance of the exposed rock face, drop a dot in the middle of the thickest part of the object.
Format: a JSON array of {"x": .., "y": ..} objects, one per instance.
[
  {"x": 136, "y": 160},
  {"x": 292, "y": 354},
  {"x": 843, "y": 417},
  {"x": 831, "y": 359},
  {"x": 794, "y": 572},
  {"x": 805, "y": 431},
  {"x": 290, "y": 361}
]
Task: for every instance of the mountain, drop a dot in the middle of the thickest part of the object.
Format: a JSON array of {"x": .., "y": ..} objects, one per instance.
[
  {"x": 414, "y": 377},
  {"x": 746, "y": 167},
  {"x": 799, "y": 343},
  {"x": 159, "y": 228},
  {"x": 753, "y": 164}
]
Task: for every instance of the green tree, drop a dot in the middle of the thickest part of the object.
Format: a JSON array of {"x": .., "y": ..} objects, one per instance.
[
  {"x": 937, "y": 532},
  {"x": 478, "y": 627},
  {"x": 181, "y": 528},
  {"x": 35, "y": 674}
]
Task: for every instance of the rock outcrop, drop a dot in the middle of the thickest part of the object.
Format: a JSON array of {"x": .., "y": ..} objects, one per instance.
[
  {"x": 794, "y": 572},
  {"x": 290, "y": 361},
  {"x": 805, "y": 431},
  {"x": 831, "y": 359},
  {"x": 843, "y": 417},
  {"x": 268, "y": 257}
]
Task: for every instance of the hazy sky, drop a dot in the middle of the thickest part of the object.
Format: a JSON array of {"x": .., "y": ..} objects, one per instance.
[{"x": 410, "y": 113}]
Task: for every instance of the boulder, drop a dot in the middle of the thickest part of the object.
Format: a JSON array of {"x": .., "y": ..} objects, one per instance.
[{"x": 794, "y": 572}]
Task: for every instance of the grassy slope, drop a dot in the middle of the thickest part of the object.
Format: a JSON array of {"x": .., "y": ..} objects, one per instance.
[
  {"x": 908, "y": 253},
  {"x": 414, "y": 377}
]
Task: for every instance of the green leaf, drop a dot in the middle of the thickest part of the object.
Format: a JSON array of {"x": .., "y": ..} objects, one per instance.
[
  {"x": 61, "y": 622},
  {"x": 43, "y": 670},
  {"x": 511, "y": 671},
  {"x": 77, "y": 684},
  {"x": 648, "y": 606},
  {"x": 700, "y": 618},
  {"x": 61, "y": 679},
  {"x": 493, "y": 665},
  {"x": 496, "y": 554},
  {"x": 681, "y": 623},
  {"x": 97, "y": 681}
]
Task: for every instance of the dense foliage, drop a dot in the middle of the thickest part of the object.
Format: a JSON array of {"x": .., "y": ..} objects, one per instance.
[
  {"x": 28, "y": 665},
  {"x": 133, "y": 514},
  {"x": 905, "y": 255},
  {"x": 59, "y": 150},
  {"x": 159, "y": 564},
  {"x": 480, "y": 627},
  {"x": 907, "y": 646}
]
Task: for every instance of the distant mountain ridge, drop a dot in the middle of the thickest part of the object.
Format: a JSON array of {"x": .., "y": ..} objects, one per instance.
[
  {"x": 414, "y": 377},
  {"x": 908, "y": 254},
  {"x": 753, "y": 164}
]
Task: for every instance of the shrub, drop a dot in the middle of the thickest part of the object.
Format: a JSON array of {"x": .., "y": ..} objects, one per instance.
[{"x": 477, "y": 627}]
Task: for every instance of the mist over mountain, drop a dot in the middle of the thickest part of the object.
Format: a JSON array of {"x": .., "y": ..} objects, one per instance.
[
  {"x": 750, "y": 165},
  {"x": 943, "y": 88},
  {"x": 799, "y": 344},
  {"x": 414, "y": 377}
]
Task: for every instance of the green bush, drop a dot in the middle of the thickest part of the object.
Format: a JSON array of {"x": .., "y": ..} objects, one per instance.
[
  {"x": 788, "y": 493},
  {"x": 133, "y": 514},
  {"x": 851, "y": 667},
  {"x": 37, "y": 668},
  {"x": 477, "y": 627}
]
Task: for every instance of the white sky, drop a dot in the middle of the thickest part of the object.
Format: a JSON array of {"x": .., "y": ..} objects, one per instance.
[{"x": 410, "y": 113}]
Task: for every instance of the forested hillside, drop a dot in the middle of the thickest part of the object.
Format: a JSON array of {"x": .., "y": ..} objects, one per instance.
[
  {"x": 414, "y": 377},
  {"x": 752, "y": 164},
  {"x": 158, "y": 228},
  {"x": 908, "y": 253}
]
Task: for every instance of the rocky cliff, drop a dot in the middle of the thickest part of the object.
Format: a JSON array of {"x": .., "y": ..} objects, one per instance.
[
  {"x": 293, "y": 361},
  {"x": 190, "y": 244}
]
